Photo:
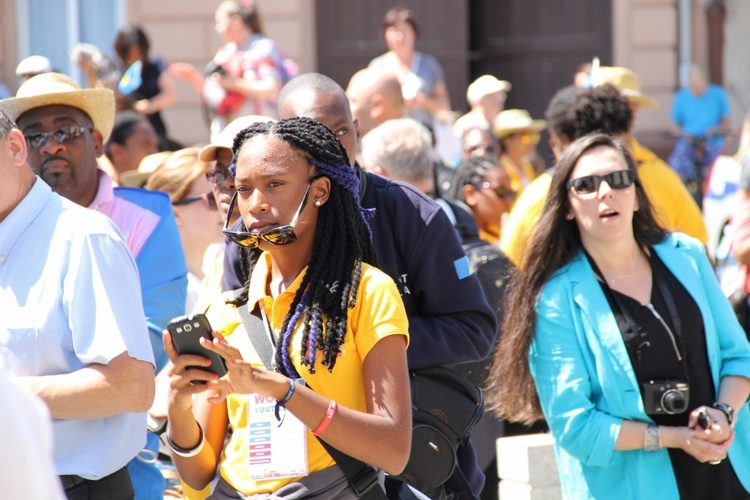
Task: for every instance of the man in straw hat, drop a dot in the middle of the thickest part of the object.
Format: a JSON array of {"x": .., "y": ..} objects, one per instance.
[
  {"x": 65, "y": 128},
  {"x": 85, "y": 355},
  {"x": 652, "y": 170}
]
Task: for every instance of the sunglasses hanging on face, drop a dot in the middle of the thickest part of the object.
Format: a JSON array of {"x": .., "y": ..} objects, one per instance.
[
  {"x": 282, "y": 235},
  {"x": 218, "y": 176},
  {"x": 621, "y": 179}
]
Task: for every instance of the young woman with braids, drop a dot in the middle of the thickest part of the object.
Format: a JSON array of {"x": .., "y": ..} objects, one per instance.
[
  {"x": 607, "y": 325},
  {"x": 341, "y": 326}
]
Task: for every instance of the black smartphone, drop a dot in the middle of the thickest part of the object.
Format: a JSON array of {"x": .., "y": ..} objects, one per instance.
[
  {"x": 704, "y": 419},
  {"x": 186, "y": 332}
]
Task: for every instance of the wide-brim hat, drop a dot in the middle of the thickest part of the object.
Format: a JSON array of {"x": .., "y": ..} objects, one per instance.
[
  {"x": 485, "y": 85},
  {"x": 225, "y": 140},
  {"x": 139, "y": 177},
  {"x": 510, "y": 121},
  {"x": 626, "y": 81},
  {"x": 50, "y": 89}
]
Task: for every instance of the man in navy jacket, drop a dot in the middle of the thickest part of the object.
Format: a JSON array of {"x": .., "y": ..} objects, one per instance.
[{"x": 415, "y": 242}]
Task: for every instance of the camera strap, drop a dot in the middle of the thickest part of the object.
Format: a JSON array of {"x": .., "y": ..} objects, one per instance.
[{"x": 633, "y": 326}]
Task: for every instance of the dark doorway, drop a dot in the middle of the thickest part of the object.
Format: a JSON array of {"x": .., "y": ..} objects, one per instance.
[
  {"x": 349, "y": 37},
  {"x": 537, "y": 45}
]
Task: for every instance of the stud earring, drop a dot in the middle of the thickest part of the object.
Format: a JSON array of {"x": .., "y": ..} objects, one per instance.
[{"x": 317, "y": 203}]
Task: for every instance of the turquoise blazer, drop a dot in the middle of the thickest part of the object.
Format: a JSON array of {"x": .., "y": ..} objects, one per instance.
[{"x": 587, "y": 386}]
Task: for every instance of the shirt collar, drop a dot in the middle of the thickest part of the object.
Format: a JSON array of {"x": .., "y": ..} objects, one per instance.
[
  {"x": 259, "y": 280},
  {"x": 23, "y": 216},
  {"x": 105, "y": 193}
]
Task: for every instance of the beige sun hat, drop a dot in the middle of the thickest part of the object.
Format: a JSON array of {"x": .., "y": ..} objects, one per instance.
[
  {"x": 485, "y": 85},
  {"x": 516, "y": 120},
  {"x": 50, "y": 89},
  {"x": 626, "y": 81},
  {"x": 226, "y": 137},
  {"x": 139, "y": 177}
]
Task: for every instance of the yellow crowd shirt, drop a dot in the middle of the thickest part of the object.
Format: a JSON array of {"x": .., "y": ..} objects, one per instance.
[
  {"x": 378, "y": 313},
  {"x": 520, "y": 175},
  {"x": 674, "y": 208}
]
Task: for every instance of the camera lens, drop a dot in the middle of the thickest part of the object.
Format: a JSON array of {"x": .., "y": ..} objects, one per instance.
[
  {"x": 188, "y": 327},
  {"x": 673, "y": 402}
]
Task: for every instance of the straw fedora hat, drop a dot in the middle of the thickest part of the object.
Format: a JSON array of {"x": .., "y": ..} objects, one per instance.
[
  {"x": 139, "y": 177},
  {"x": 516, "y": 120},
  {"x": 55, "y": 88},
  {"x": 626, "y": 81}
]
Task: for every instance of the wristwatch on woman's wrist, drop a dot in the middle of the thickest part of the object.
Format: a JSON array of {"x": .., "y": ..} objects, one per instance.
[{"x": 727, "y": 410}]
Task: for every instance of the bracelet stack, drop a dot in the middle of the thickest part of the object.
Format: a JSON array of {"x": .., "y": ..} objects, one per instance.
[
  {"x": 284, "y": 400},
  {"x": 182, "y": 452},
  {"x": 652, "y": 438}
]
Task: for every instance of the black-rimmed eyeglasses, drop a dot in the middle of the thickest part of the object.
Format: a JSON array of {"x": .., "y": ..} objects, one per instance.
[
  {"x": 501, "y": 192},
  {"x": 218, "y": 176},
  {"x": 63, "y": 135},
  {"x": 281, "y": 235}
]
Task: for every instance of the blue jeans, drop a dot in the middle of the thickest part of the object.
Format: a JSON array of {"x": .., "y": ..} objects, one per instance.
[{"x": 683, "y": 159}]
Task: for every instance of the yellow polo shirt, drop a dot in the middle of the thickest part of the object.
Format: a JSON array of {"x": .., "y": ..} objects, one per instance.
[{"x": 378, "y": 313}]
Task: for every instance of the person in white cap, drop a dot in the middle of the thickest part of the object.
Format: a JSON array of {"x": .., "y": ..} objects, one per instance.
[
  {"x": 32, "y": 66},
  {"x": 486, "y": 96}
]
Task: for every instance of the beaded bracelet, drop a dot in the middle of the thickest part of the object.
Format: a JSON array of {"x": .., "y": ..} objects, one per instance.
[
  {"x": 285, "y": 399},
  {"x": 330, "y": 412},
  {"x": 182, "y": 452}
]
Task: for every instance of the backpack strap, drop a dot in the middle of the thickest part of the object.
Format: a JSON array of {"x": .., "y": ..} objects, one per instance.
[{"x": 362, "y": 478}]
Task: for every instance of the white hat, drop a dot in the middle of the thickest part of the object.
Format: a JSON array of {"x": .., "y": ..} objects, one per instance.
[
  {"x": 485, "y": 85},
  {"x": 516, "y": 120},
  {"x": 34, "y": 65},
  {"x": 226, "y": 137}
]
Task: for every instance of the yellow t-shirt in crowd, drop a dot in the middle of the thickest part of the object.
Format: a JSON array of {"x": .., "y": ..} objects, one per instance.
[
  {"x": 518, "y": 180},
  {"x": 674, "y": 208},
  {"x": 379, "y": 312}
]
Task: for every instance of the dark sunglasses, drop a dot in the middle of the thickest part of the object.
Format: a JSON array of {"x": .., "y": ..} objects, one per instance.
[
  {"x": 282, "y": 235},
  {"x": 218, "y": 176},
  {"x": 208, "y": 199},
  {"x": 500, "y": 191},
  {"x": 63, "y": 135},
  {"x": 622, "y": 179}
]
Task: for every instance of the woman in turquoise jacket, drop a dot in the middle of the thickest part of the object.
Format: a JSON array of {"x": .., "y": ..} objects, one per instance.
[{"x": 619, "y": 336}]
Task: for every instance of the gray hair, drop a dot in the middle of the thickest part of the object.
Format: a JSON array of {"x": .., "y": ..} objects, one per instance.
[
  {"x": 6, "y": 125},
  {"x": 402, "y": 148}
]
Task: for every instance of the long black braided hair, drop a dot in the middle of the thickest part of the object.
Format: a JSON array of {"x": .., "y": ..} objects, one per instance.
[{"x": 342, "y": 242}]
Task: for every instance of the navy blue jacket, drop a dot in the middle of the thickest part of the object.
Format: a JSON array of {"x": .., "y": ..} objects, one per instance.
[{"x": 415, "y": 243}]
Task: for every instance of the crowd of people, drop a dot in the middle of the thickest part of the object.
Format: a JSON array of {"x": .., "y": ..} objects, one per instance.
[{"x": 339, "y": 242}]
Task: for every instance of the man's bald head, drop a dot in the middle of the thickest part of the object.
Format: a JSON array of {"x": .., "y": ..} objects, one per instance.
[
  {"x": 319, "y": 98},
  {"x": 375, "y": 97}
]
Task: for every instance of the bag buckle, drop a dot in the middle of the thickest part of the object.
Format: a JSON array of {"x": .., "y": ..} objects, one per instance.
[{"x": 364, "y": 481}]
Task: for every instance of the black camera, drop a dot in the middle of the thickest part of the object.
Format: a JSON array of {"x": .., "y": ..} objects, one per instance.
[
  {"x": 666, "y": 397},
  {"x": 213, "y": 67}
]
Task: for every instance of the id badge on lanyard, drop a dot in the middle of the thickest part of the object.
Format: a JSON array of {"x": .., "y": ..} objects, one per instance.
[{"x": 277, "y": 447}]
